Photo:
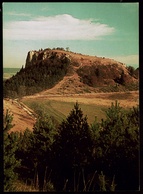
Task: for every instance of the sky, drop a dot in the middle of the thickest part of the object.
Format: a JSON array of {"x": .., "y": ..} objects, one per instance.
[{"x": 99, "y": 29}]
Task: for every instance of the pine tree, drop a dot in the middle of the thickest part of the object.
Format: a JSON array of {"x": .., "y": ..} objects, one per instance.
[
  {"x": 43, "y": 134},
  {"x": 25, "y": 154},
  {"x": 72, "y": 149},
  {"x": 9, "y": 149},
  {"x": 117, "y": 146}
]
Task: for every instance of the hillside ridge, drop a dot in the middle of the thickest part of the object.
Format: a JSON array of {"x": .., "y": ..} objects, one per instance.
[{"x": 63, "y": 71}]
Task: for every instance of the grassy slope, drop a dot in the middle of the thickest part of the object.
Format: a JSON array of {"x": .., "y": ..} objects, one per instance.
[
  {"x": 91, "y": 105},
  {"x": 60, "y": 109}
]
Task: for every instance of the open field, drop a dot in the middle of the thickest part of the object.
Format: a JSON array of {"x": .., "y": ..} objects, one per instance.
[
  {"x": 126, "y": 99},
  {"x": 59, "y": 108},
  {"x": 93, "y": 105}
]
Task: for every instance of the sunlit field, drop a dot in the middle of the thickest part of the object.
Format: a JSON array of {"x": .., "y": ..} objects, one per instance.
[{"x": 60, "y": 109}]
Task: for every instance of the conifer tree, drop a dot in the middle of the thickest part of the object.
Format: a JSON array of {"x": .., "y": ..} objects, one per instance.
[
  {"x": 117, "y": 146},
  {"x": 25, "y": 154},
  {"x": 72, "y": 149},
  {"x": 43, "y": 134},
  {"x": 9, "y": 149}
]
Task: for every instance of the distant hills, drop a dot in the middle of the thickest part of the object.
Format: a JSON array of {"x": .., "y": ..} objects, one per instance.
[
  {"x": 60, "y": 71},
  {"x": 9, "y": 72}
]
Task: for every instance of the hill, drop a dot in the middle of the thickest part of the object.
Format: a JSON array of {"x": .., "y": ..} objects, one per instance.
[{"x": 62, "y": 72}]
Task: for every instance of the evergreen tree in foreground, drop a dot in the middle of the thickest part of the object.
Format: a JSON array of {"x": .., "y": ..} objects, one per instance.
[
  {"x": 9, "y": 149},
  {"x": 117, "y": 146},
  {"x": 43, "y": 137},
  {"x": 76, "y": 157},
  {"x": 72, "y": 151}
]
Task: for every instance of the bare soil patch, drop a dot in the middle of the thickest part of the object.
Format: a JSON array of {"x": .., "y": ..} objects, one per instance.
[{"x": 23, "y": 117}]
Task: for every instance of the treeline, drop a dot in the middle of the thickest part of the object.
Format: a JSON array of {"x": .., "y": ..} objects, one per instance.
[
  {"x": 98, "y": 75},
  {"x": 133, "y": 72},
  {"x": 73, "y": 155},
  {"x": 35, "y": 78}
]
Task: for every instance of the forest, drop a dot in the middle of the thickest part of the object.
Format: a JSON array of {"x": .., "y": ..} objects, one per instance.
[
  {"x": 73, "y": 155},
  {"x": 33, "y": 79}
]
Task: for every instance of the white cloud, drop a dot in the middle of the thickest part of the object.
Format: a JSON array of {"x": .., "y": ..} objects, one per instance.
[
  {"x": 59, "y": 27},
  {"x": 128, "y": 60}
]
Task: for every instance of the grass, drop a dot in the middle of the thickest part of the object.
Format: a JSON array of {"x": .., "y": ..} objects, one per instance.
[
  {"x": 61, "y": 109},
  {"x": 20, "y": 186},
  {"x": 91, "y": 105},
  {"x": 88, "y": 184}
]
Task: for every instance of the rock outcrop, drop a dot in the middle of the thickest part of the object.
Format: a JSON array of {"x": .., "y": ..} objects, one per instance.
[
  {"x": 33, "y": 57},
  {"x": 69, "y": 72}
]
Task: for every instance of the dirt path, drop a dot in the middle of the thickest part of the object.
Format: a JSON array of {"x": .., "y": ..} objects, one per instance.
[
  {"x": 23, "y": 117},
  {"x": 126, "y": 99}
]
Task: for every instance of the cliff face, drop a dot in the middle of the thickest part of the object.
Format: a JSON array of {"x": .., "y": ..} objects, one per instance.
[
  {"x": 33, "y": 57},
  {"x": 68, "y": 72}
]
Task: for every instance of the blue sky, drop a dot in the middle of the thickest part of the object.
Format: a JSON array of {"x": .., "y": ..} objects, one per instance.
[{"x": 103, "y": 29}]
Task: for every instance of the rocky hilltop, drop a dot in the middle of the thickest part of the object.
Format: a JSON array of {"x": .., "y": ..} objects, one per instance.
[
  {"x": 60, "y": 71},
  {"x": 33, "y": 57}
]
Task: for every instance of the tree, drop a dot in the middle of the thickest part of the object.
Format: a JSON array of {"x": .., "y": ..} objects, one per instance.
[
  {"x": 25, "y": 154},
  {"x": 72, "y": 150},
  {"x": 67, "y": 48},
  {"x": 43, "y": 131},
  {"x": 9, "y": 149},
  {"x": 117, "y": 146},
  {"x": 42, "y": 75},
  {"x": 131, "y": 70}
]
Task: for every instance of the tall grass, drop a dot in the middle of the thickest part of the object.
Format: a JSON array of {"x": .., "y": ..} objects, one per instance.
[
  {"x": 20, "y": 186},
  {"x": 89, "y": 184}
]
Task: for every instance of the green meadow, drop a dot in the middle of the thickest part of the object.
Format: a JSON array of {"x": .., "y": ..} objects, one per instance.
[{"x": 60, "y": 109}]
